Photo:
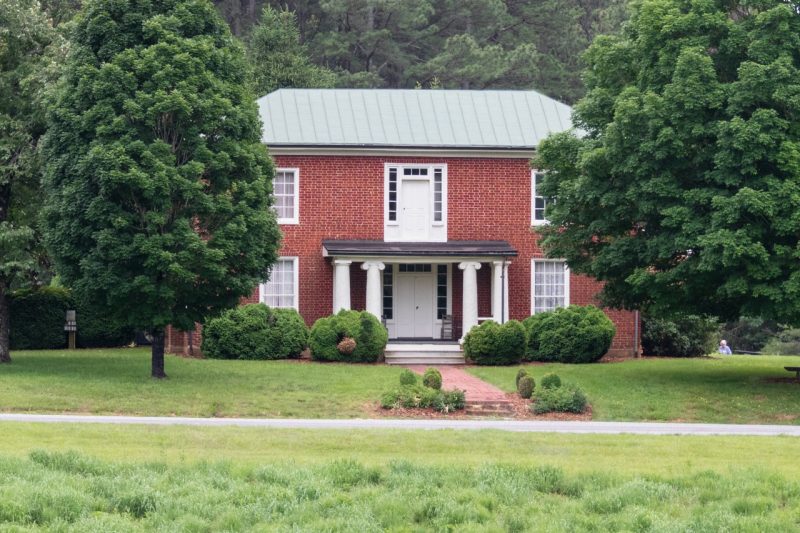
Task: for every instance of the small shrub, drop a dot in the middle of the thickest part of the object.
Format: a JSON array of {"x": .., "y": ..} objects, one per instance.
[
  {"x": 346, "y": 346},
  {"x": 686, "y": 336},
  {"x": 432, "y": 378},
  {"x": 255, "y": 331},
  {"x": 574, "y": 334},
  {"x": 550, "y": 381},
  {"x": 418, "y": 396},
  {"x": 525, "y": 387},
  {"x": 453, "y": 400},
  {"x": 369, "y": 335},
  {"x": 491, "y": 343},
  {"x": 520, "y": 374},
  {"x": 407, "y": 377},
  {"x": 787, "y": 342},
  {"x": 565, "y": 399}
]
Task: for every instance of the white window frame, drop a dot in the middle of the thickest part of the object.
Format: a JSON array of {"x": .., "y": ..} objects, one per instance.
[
  {"x": 533, "y": 280},
  {"x": 296, "y": 218},
  {"x": 534, "y": 221},
  {"x": 429, "y": 178},
  {"x": 296, "y": 280}
]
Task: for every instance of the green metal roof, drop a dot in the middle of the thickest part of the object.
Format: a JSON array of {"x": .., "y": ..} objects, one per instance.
[{"x": 410, "y": 118}]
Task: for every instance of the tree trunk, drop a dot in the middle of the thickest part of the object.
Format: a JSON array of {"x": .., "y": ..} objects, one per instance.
[
  {"x": 157, "y": 351},
  {"x": 5, "y": 327}
]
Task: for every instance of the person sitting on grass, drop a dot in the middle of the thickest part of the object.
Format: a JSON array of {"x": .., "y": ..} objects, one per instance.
[{"x": 724, "y": 349}]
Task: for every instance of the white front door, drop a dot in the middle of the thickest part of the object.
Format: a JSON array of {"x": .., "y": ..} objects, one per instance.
[
  {"x": 414, "y": 293},
  {"x": 415, "y": 214}
]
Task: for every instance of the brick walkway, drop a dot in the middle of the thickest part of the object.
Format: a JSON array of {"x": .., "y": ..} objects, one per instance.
[{"x": 481, "y": 397}]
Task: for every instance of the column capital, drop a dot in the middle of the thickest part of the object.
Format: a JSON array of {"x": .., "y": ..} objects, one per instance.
[
  {"x": 342, "y": 262},
  {"x": 366, "y": 265},
  {"x": 498, "y": 263},
  {"x": 469, "y": 264}
]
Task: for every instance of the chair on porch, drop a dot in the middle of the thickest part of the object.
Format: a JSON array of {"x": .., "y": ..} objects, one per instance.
[{"x": 447, "y": 327}]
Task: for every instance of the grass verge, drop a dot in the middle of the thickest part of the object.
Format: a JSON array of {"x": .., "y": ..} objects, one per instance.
[{"x": 735, "y": 389}]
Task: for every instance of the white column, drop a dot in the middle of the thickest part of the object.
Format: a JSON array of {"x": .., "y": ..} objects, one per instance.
[
  {"x": 505, "y": 292},
  {"x": 497, "y": 295},
  {"x": 374, "y": 287},
  {"x": 470, "y": 296},
  {"x": 341, "y": 284}
]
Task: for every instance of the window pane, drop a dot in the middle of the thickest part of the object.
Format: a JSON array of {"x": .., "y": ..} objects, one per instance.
[
  {"x": 549, "y": 285},
  {"x": 279, "y": 290}
]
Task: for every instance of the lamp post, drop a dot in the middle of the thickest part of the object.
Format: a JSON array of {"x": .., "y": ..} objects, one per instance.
[{"x": 71, "y": 327}]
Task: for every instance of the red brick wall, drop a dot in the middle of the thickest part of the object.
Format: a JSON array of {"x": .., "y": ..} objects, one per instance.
[{"x": 341, "y": 197}]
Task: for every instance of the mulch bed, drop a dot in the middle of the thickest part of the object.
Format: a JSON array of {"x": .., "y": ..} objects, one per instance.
[{"x": 522, "y": 411}]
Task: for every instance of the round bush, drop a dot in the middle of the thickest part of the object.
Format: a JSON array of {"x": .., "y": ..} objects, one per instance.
[
  {"x": 38, "y": 316},
  {"x": 432, "y": 378},
  {"x": 368, "y": 333},
  {"x": 493, "y": 344},
  {"x": 566, "y": 399},
  {"x": 347, "y": 346},
  {"x": 574, "y": 334},
  {"x": 407, "y": 377},
  {"x": 526, "y": 386},
  {"x": 686, "y": 336},
  {"x": 255, "y": 331},
  {"x": 520, "y": 374},
  {"x": 550, "y": 381}
]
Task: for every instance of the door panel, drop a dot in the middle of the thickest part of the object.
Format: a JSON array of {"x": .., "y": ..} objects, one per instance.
[
  {"x": 423, "y": 306},
  {"x": 415, "y": 212}
]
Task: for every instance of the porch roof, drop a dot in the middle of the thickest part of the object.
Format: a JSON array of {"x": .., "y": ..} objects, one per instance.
[{"x": 357, "y": 248}]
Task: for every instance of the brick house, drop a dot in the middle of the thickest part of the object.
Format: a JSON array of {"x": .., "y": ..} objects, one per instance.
[{"x": 418, "y": 206}]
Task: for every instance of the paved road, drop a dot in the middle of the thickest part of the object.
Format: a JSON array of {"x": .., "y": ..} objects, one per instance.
[{"x": 637, "y": 428}]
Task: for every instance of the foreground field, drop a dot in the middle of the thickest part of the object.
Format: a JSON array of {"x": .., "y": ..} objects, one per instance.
[
  {"x": 735, "y": 389},
  {"x": 60, "y": 491},
  {"x": 118, "y": 382}
]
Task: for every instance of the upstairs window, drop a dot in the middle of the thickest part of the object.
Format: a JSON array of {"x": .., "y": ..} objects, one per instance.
[
  {"x": 538, "y": 202},
  {"x": 287, "y": 198},
  {"x": 281, "y": 289},
  {"x": 550, "y": 285},
  {"x": 438, "y": 195},
  {"x": 392, "y": 207}
]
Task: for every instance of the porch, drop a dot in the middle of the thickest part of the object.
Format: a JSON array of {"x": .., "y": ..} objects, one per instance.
[{"x": 428, "y": 295}]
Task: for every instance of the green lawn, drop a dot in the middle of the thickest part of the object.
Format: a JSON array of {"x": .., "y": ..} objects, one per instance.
[
  {"x": 245, "y": 479},
  {"x": 118, "y": 382},
  {"x": 731, "y": 389}
]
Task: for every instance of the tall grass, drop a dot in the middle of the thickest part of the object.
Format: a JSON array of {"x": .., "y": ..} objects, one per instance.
[{"x": 67, "y": 491}]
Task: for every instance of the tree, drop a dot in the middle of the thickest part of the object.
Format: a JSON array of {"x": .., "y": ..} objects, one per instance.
[
  {"x": 158, "y": 188},
  {"x": 26, "y": 37},
  {"x": 278, "y": 58},
  {"x": 682, "y": 192}
]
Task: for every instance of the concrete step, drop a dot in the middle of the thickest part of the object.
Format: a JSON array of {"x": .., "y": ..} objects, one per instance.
[
  {"x": 424, "y": 359},
  {"x": 499, "y": 408}
]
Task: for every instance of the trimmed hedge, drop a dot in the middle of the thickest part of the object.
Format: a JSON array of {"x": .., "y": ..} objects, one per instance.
[
  {"x": 574, "y": 334},
  {"x": 37, "y": 318},
  {"x": 491, "y": 343},
  {"x": 38, "y": 315},
  {"x": 564, "y": 399},
  {"x": 686, "y": 336},
  {"x": 255, "y": 331},
  {"x": 368, "y": 333}
]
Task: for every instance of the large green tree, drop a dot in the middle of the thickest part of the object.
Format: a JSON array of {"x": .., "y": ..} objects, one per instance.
[
  {"x": 27, "y": 40},
  {"x": 682, "y": 191},
  {"x": 279, "y": 59},
  {"x": 158, "y": 187}
]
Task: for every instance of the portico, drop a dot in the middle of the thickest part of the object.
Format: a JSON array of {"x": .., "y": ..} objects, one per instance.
[{"x": 410, "y": 286}]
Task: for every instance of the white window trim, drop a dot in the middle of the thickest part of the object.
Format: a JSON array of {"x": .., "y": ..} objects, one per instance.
[
  {"x": 535, "y": 222},
  {"x": 296, "y": 218},
  {"x": 296, "y": 275},
  {"x": 429, "y": 178},
  {"x": 534, "y": 260}
]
